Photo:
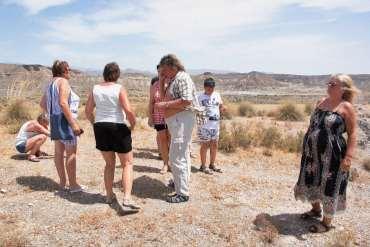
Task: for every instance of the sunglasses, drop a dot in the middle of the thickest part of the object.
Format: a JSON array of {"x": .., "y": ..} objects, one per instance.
[{"x": 332, "y": 83}]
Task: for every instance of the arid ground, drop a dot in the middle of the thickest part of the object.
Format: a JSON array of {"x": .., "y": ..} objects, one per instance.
[{"x": 221, "y": 211}]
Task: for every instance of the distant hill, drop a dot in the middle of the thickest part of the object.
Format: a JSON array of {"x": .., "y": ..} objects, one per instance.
[{"x": 138, "y": 81}]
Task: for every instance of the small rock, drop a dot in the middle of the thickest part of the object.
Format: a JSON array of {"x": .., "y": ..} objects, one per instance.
[{"x": 3, "y": 191}]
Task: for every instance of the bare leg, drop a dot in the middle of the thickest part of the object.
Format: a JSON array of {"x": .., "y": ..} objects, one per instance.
[
  {"x": 110, "y": 165},
  {"x": 213, "y": 152},
  {"x": 71, "y": 165},
  {"x": 59, "y": 163},
  {"x": 163, "y": 144},
  {"x": 203, "y": 153},
  {"x": 158, "y": 143},
  {"x": 34, "y": 143},
  {"x": 316, "y": 206},
  {"x": 127, "y": 176}
]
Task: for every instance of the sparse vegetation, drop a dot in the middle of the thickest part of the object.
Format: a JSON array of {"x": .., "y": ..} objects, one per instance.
[
  {"x": 15, "y": 114},
  {"x": 366, "y": 164},
  {"x": 308, "y": 109},
  {"x": 226, "y": 142},
  {"x": 289, "y": 112},
  {"x": 246, "y": 109},
  {"x": 271, "y": 137},
  {"x": 293, "y": 143}
]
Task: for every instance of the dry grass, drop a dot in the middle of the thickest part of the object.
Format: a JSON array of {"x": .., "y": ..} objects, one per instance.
[
  {"x": 308, "y": 109},
  {"x": 246, "y": 109},
  {"x": 16, "y": 113},
  {"x": 344, "y": 238},
  {"x": 289, "y": 112},
  {"x": 366, "y": 164},
  {"x": 12, "y": 233},
  {"x": 141, "y": 109}
]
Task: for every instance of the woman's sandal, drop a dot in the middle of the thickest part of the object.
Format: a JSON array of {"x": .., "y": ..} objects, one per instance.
[
  {"x": 311, "y": 214},
  {"x": 33, "y": 158},
  {"x": 215, "y": 169},
  {"x": 177, "y": 198},
  {"x": 320, "y": 228}
]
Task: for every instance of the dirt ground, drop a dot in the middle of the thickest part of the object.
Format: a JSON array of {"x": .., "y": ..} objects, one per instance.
[{"x": 220, "y": 212}]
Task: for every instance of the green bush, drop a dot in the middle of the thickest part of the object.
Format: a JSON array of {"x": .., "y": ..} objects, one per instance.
[
  {"x": 289, "y": 112},
  {"x": 246, "y": 109}
]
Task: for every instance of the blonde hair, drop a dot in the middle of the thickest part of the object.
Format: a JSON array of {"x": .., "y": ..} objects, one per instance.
[{"x": 348, "y": 86}]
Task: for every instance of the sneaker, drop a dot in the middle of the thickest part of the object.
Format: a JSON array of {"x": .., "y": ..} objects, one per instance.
[
  {"x": 81, "y": 188},
  {"x": 177, "y": 198}
]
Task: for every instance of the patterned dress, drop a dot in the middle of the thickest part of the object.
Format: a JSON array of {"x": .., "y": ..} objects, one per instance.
[{"x": 320, "y": 178}]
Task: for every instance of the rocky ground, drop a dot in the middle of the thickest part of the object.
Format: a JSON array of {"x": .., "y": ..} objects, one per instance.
[{"x": 221, "y": 212}]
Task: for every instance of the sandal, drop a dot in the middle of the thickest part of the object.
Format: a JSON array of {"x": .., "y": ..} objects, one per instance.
[
  {"x": 111, "y": 199},
  {"x": 81, "y": 188},
  {"x": 164, "y": 169},
  {"x": 205, "y": 170},
  {"x": 320, "y": 228},
  {"x": 41, "y": 154},
  {"x": 311, "y": 214},
  {"x": 215, "y": 169},
  {"x": 33, "y": 158},
  {"x": 177, "y": 198}
]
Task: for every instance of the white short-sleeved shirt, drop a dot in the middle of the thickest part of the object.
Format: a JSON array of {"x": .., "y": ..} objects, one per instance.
[{"x": 212, "y": 105}]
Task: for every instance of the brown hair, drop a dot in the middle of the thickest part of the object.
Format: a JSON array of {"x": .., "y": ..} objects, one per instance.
[
  {"x": 111, "y": 72},
  {"x": 42, "y": 118},
  {"x": 348, "y": 87},
  {"x": 59, "y": 68},
  {"x": 172, "y": 61}
]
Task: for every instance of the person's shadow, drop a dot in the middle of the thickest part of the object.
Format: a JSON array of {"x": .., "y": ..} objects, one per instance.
[
  {"x": 291, "y": 224},
  {"x": 147, "y": 187},
  {"x": 25, "y": 157},
  {"x": 147, "y": 169},
  {"x": 145, "y": 155}
]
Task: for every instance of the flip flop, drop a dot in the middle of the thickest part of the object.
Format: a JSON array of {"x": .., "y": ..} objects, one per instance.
[
  {"x": 205, "y": 170},
  {"x": 215, "y": 169},
  {"x": 311, "y": 214},
  {"x": 130, "y": 204},
  {"x": 33, "y": 158}
]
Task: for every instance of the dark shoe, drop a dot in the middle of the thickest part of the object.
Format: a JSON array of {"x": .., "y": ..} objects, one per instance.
[
  {"x": 215, "y": 169},
  {"x": 205, "y": 170},
  {"x": 177, "y": 198}
]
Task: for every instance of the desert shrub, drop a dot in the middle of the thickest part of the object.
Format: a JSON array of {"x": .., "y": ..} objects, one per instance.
[
  {"x": 292, "y": 143},
  {"x": 241, "y": 136},
  {"x": 270, "y": 137},
  {"x": 246, "y": 109},
  {"x": 227, "y": 114},
  {"x": 272, "y": 114},
  {"x": 261, "y": 113},
  {"x": 15, "y": 114},
  {"x": 289, "y": 112},
  {"x": 366, "y": 164},
  {"x": 141, "y": 110},
  {"x": 308, "y": 109},
  {"x": 226, "y": 141}
]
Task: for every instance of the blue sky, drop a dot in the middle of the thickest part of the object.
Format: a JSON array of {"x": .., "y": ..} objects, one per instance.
[{"x": 280, "y": 36}]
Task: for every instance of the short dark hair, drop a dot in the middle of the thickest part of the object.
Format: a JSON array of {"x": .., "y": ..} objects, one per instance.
[
  {"x": 154, "y": 80},
  {"x": 42, "y": 118},
  {"x": 172, "y": 61},
  {"x": 59, "y": 68},
  {"x": 111, "y": 72},
  {"x": 209, "y": 82}
]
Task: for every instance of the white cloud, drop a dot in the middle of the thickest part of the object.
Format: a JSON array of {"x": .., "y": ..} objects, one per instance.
[
  {"x": 206, "y": 34},
  {"x": 35, "y": 6}
]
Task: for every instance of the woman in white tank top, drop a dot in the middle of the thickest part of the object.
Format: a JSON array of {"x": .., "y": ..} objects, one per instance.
[{"x": 112, "y": 134}]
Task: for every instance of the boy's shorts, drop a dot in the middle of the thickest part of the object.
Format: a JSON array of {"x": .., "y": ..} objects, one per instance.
[{"x": 207, "y": 133}]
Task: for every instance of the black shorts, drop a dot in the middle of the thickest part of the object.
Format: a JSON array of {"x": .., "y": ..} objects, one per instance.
[
  {"x": 160, "y": 127},
  {"x": 115, "y": 137}
]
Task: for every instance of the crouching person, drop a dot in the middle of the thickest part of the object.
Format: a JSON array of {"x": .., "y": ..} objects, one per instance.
[{"x": 31, "y": 136}]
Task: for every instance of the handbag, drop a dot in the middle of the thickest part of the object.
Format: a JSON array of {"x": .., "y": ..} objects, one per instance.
[{"x": 59, "y": 126}]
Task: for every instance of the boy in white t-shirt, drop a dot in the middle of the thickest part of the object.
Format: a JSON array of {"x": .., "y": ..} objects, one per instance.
[{"x": 209, "y": 132}]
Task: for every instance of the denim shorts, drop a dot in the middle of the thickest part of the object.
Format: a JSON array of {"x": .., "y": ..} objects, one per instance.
[{"x": 21, "y": 147}]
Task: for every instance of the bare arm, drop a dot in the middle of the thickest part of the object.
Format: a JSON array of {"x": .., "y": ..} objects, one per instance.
[
  {"x": 127, "y": 108},
  {"x": 89, "y": 108},
  {"x": 38, "y": 128},
  {"x": 351, "y": 127},
  {"x": 64, "y": 91}
]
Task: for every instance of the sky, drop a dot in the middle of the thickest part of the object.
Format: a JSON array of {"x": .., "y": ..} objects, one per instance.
[{"x": 277, "y": 36}]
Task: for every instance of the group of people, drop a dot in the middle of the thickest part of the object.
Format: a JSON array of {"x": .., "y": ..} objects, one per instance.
[{"x": 174, "y": 109}]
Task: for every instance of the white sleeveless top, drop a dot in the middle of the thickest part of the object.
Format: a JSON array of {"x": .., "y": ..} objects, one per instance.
[
  {"x": 23, "y": 134},
  {"x": 108, "y": 107}
]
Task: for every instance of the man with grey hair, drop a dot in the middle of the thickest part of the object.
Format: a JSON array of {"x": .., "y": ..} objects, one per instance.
[{"x": 178, "y": 92}]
